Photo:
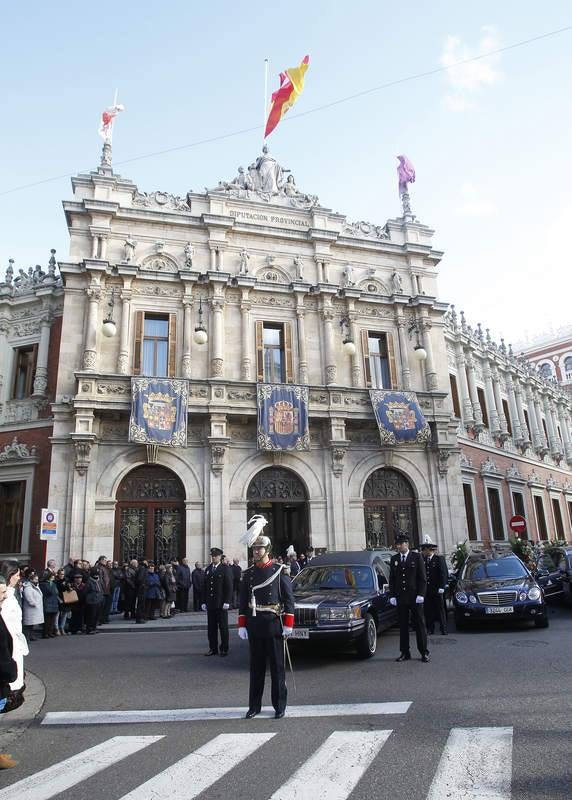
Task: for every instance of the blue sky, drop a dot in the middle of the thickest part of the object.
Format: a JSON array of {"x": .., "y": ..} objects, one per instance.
[{"x": 490, "y": 141}]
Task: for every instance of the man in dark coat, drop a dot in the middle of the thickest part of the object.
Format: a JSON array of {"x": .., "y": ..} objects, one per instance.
[
  {"x": 141, "y": 589},
  {"x": 437, "y": 579},
  {"x": 407, "y": 587},
  {"x": 266, "y": 594},
  {"x": 183, "y": 576},
  {"x": 198, "y": 581},
  {"x": 236, "y": 576},
  {"x": 106, "y": 589},
  {"x": 217, "y": 598}
]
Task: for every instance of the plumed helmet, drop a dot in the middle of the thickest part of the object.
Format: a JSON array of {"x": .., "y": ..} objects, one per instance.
[
  {"x": 262, "y": 541},
  {"x": 256, "y": 525}
]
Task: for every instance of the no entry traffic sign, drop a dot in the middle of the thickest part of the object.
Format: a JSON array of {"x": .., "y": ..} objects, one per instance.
[{"x": 517, "y": 524}]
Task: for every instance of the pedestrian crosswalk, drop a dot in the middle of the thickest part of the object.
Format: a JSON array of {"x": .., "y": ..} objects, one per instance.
[{"x": 476, "y": 763}]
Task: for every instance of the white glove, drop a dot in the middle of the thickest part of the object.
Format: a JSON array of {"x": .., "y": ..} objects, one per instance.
[
  {"x": 419, "y": 599},
  {"x": 225, "y": 606},
  {"x": 243, "y": 633},
  {"x": 286, "y": 632},
  {"x": 393, "y": 601},
  {"x": 204, "y": 607},
  {"x": 441, "y": 591}
]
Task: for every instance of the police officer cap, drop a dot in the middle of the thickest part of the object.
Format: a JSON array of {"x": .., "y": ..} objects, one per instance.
[
  {"x": 403, "y": 537},
  {"x": 216, "y": 551}
]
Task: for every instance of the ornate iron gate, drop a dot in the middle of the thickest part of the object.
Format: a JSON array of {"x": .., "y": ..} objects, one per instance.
[
  {"x": 150, "y": 516},
  {"x": 280, "y": 496}
]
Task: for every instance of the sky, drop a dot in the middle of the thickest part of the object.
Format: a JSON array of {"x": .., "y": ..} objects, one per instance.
[{"x": 490, "y": 140}]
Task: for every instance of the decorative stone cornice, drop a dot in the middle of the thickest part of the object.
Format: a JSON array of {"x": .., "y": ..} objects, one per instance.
[
  {"x": 16, "y": 451},
  {"x": 513, "y": 474},
  {"x": 490, "y": 469},
  {"x": 535, "y": 480}
]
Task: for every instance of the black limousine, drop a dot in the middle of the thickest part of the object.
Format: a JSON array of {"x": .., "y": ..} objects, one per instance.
[{"x": 342, "y": 598}]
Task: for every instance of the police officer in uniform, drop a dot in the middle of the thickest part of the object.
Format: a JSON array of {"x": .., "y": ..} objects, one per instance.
[
  {"x": 217, "y": 598},
  {"x": 407, "y": 586},
  {"x": 437, "y": 579},
  {"x": 265, "y": 618}
]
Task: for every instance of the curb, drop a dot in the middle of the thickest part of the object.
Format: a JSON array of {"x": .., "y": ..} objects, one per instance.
[
  {"x": 14, "y": 724},
  {"x": 154, "y": 628}
]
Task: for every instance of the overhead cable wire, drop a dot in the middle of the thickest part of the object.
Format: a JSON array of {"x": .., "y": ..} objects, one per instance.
[{"x": 389, "y": 84}]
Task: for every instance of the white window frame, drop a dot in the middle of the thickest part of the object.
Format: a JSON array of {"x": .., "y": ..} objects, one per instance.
[
  {"x": 492, "y": 483},
  {"x": 555, "y": 495},
  {"x": 539, "y": 493}
]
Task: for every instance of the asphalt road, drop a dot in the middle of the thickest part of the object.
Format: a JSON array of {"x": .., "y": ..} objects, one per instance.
[{"x": 512, "y": 683}]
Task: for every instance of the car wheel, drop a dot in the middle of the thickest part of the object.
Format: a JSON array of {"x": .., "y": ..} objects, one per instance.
[
  {"x": 367, "y": 644},
  {"x": 542, "y": 622}
]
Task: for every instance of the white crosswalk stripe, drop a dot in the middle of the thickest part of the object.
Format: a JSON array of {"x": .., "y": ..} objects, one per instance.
[
  {"x": 196, "y": 772},
  {"x": 51, "y": 782},
  {"x": 335, "y": 768},
  {"x": 133, "y": 716},
  {"x": 476, "y": 765}
]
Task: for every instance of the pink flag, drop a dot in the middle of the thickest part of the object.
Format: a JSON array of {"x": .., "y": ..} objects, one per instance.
[
  {"x": 106, "y": 125},
  {"x": 405, "y": 173}
]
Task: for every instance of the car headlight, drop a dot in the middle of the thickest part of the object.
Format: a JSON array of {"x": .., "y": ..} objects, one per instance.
[
  {"x": 534, "y": 593},
  {"x": 522, "y": 596},
  {"x": 337, "y": 614},
  {"x": 472, "y": 598},
  {"x": 461, "y": 597}
]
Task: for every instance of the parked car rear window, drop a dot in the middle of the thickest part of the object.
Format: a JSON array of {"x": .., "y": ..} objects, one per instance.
[
  {"x": 334, "y": 577},
  {"x": 503, "y": 568}
]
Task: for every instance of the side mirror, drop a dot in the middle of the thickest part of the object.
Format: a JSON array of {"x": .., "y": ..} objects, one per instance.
[{"x": 541, "y": 573}]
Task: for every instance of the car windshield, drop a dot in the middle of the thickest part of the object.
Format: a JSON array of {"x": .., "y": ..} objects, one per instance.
[
  {"x": 334, "y": 577},
  {"x": 502, "y": 569}
]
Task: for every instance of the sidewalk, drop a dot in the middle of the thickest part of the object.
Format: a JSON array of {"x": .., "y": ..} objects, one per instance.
[
  {"x": 191, "y": 621},
  {"x": 15, "y": 723}
]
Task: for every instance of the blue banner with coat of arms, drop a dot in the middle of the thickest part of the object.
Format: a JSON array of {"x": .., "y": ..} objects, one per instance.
[
  {"x": 399, "y": 418},
  {"x": 159, "y": 412},
  {"x": 282, "y": 417}
]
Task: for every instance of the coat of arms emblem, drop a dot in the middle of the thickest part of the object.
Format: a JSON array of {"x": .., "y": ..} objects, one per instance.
[
  {"x": 401, "y": 416},
  {"x": 284, "y": 418},
  {"x": 160, "y": 411}
]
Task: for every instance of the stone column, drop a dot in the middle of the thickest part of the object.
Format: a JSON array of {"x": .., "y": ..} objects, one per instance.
[
  {"x": 41, "y": 377},
  {"x": 494, "y": 420},
  {"x": 213, "y": 259},
  {"x": 302, "y": 352},
  {"x": 217, "y": 357},
  {"x": 498, "y": 401},
  {"x": 220, "y": 264},
  {"x": 430, "y": 373},
  {"x": 466, "y": 406},
  {"x": 538, "y": 414},
  {"x": 187, "y": 334},
  {"x": 331, "y": 370},
  {"x": 477, "y": 413},
  {"x": 517, "y": 433},
  {"x": 519, "y": 388},
  {"x": 533, "y": 418},
  {"x": 553, "y": 440},
  {"x": 103, "y": 247},
  {"x": 89, "y": 360},
  {"x": 320, "y": 268},
  {"x": 356, "y": 358},
  {"x": 564, "y": 429},
  {"x": 245, "y": 306},
  {"x": 94, "y": 246},
  {"x": 123, "y": 357},
  {"x": 403, "y": 347}
]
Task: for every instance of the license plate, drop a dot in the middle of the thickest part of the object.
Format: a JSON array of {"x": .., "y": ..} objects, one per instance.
[
  {"x": 500, "y": 610},
  {"x": 300, "y": 633}
]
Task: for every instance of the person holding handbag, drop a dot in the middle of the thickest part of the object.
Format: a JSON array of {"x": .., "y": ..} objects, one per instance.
[
  {"x": 8, "y": 673},
  {"x": 32, "y": 604}
]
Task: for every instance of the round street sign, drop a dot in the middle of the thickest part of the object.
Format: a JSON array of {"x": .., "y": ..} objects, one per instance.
[{"x": 517, "y": 524}]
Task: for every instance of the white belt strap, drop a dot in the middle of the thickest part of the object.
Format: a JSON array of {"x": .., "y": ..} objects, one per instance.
[{"x": 262, "y": 586}]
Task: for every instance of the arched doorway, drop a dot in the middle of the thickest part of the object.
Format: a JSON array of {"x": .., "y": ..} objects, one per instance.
[
  {"x": 150, "y": 516},
  {"x": 389, "y": 509},
  {"x": 280, "y": 496}
]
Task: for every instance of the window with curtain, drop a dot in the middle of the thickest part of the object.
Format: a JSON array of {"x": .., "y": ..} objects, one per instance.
[
  {"x": 506, "y": 413},
  {"x": 455, "y": 396},
  {"x": 540, "y": 517},
  {"x": 155, "y": 360},
  {"x": 558, "y": 518},
  {"x": 24, "y": 369},
  {"x": 483, "y": 405},
  {"x": 379, "y": 361}
]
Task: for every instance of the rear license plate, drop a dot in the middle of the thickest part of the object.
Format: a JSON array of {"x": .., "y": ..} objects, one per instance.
[
  {"x": 300, "y": 633},
  {"x": 500, "y": 610}
]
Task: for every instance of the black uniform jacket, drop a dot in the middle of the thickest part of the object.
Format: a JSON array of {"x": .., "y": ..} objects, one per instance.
[
  {"x": 217, "y": 587},
  {"x": 437, "y": 574},
  {"x": 407, "y": 580},
  {"x": 277, "y": 593}
]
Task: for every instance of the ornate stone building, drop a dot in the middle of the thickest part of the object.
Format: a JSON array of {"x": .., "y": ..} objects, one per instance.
[
  {"x": 279, "y": 282},
  {"x": 551, "y": 354},
  {"x": 31, "y": 306},
  {"x": 515, "y": 437}
]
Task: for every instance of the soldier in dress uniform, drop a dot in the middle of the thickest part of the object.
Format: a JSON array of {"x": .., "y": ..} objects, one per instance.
[
  {"x": 266, "y": 619},
  {"x": 437, "y": 579},
  {"x": 407, "y": 586},
  {"x": 217, "y": 598}
]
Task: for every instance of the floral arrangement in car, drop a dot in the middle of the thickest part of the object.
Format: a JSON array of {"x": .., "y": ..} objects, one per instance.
[
  {"x": 525, "y": 551},
  {"x": 459, "y": 556}
]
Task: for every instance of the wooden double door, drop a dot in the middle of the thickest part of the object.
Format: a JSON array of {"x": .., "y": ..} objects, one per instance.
[{"x": 150, "y": 516}]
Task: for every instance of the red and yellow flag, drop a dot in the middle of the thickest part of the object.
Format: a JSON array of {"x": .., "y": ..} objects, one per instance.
[{"x": 291, "y": 86}]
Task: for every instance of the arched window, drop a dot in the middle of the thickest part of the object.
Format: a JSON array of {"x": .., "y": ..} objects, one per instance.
[
  {"x": 568, "y": 368},
  {"x": 546, "y": 370}
]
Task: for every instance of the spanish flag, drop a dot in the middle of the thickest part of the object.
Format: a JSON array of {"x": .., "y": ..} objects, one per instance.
[{"x": 291, "y": 85}]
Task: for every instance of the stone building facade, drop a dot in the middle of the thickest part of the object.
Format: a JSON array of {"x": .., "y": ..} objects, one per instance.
[
  {"x": 515, "y": 438},
  {"x": 551, "y": 354},
  {"x": 279, "y": 282},
  {"x": 31, "y": 307}
]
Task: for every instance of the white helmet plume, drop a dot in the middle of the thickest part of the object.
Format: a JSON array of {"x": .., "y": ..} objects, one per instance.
[
  {"x": 290, "y": 551},
  {"x": 255, "y": 527}
]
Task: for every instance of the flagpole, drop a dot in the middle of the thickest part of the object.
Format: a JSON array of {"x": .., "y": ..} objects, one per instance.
[{"x": 265, "y": 94}]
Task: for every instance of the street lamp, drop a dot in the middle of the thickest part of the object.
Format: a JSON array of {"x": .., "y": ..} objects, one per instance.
[
  {"x": 419, "y": 352},
  {"x": 109, "y": 328},
  {"x": 348, "y": 344},
  {"x": 200, "y": 335}
]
